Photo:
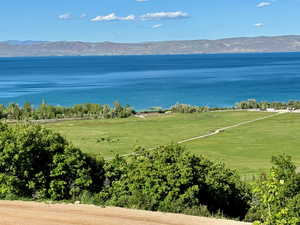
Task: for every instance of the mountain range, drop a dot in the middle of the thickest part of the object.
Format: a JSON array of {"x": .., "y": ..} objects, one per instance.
[{"x": 77, "y": 48}]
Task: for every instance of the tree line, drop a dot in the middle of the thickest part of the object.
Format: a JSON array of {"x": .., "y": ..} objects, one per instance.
[
  {"x": 185, "y": 108},
  {"x": 97, "y": 111},
  {"x": 45, "y": 111},
  {"x": 249, "y": 104},
  {"x": 37, "y": 163},
  {"x": 253, "y": 104}
]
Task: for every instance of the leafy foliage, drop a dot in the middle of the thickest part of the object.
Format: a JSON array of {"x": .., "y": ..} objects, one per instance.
[
  {"x": 9, "y": 186},
  {"x": 277, "y": 197},
  {"x": 38, "y": 163},
  {"x": 184, "y": 108},
  {"x": 253, "y": 104},
  {"x": 171, "y": 179},
  {"x": 45, "y": 111}
]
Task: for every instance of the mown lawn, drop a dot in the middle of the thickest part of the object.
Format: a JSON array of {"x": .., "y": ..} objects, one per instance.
[{"x": 247, "y": 148}]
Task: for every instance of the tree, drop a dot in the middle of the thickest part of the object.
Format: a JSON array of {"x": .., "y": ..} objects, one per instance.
[
  {"x": 170, "y": 179},
  {"x": 42, "y": 164},
  {"x": 2, "y": 111},
  {"x": 14, "y": 111},
  {"x": 27, "y": 110},
  {"x": 276, "y": 198}
]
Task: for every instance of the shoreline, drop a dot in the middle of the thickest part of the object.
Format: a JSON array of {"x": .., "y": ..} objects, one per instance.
[{"x": 142, "y": 115}]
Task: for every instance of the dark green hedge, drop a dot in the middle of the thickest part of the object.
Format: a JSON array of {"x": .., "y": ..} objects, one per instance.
[
  {"x": 40, "y": 164},
  {"x": 173, "y": 180}
]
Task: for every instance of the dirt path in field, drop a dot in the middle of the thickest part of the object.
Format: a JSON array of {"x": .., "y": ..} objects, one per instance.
[
  {"x": 31, "y": 213},
  {"x": 227, "y": 128}
]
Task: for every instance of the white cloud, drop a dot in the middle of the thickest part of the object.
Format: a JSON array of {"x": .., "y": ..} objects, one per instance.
[
  {"x": 142, "y": 0},
  {"x": 109, "y": 17},
  {"x": 148, "y": 16},
  {"x": 263, "y": 4},
  {"x": 65, "y": 16},
  {"x": 130, "y": 17},
  {"x": 165, "y": 15},
  {"x": 259, "y": 24},
  {"x": 112, "y": 17},
  {"x": 157, "y": 26}
]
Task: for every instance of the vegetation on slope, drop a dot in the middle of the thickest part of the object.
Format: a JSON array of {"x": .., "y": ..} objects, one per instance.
[
  {"x": 247, "y": 148},
  {"x": 171, "y": 179},
  {"x": 276, "y": 199},
  {"x": 37, "y": 163}
]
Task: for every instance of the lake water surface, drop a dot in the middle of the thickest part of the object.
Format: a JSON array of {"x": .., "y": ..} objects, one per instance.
[{"x": 146, "y": 81}]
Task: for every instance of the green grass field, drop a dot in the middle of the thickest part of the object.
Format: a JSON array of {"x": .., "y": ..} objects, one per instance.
[
  {"x": 250, "y": 147},
  {"x": 247, "y": 148}
]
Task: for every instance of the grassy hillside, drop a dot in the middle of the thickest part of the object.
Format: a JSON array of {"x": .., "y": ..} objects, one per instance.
[{"x": 247, "y": 148}]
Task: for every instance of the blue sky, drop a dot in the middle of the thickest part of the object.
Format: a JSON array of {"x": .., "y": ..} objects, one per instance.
[{"x": 146, "y": 20}]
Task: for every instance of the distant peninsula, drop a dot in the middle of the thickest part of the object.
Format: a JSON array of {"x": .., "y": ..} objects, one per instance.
[{"x": 76, "y": 48}]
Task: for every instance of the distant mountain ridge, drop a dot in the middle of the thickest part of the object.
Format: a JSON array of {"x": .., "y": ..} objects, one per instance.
[
  {"x": 76, "y": 48},
  {"x": 28, "y": 42}
]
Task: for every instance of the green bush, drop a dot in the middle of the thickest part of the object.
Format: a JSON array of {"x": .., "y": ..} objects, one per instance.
[
  {"x": 173, "y": 180},
  {"x": 9, "y": 186},
  {"x": 184, "y": 108},
  {"x": 38, "y": 163},
  {"x": 276, "y": 198}
]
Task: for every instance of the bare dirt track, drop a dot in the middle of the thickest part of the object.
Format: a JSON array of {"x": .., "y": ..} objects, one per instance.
[{"x": 31, "y": 213}]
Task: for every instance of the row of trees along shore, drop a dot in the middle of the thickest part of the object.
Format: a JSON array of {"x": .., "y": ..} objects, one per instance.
[
  {"x": 39, "y": 164},
  {"x": 45, "y": 111},
  {"x": 89, "y": 110},
  {"x": 249, "y": 104},
  {"x": 253, "y": 104}
]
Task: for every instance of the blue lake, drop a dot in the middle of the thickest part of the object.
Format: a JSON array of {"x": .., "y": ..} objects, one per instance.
[{"x": 147, "y": 81}]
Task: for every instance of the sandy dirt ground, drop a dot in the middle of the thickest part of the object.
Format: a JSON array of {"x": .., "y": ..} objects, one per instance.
[{"x": 31, "y": 213}]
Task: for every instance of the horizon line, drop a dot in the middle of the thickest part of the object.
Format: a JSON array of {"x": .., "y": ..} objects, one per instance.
[{"x": 153, "y": 41}]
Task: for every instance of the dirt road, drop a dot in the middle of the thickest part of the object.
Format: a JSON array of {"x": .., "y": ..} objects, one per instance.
[
  {"x": 31, "y": 213},
  {"x": 229, "y": 127}
]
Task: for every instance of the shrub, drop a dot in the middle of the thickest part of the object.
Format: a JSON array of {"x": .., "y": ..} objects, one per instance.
[
  {"x": 9, "y": 186},
  {"x": 277, "y": 198},
  {"x": 173, "y": 180},
  {"x": 38, "y": 163},
  {"x": 184, "y": 108}
]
